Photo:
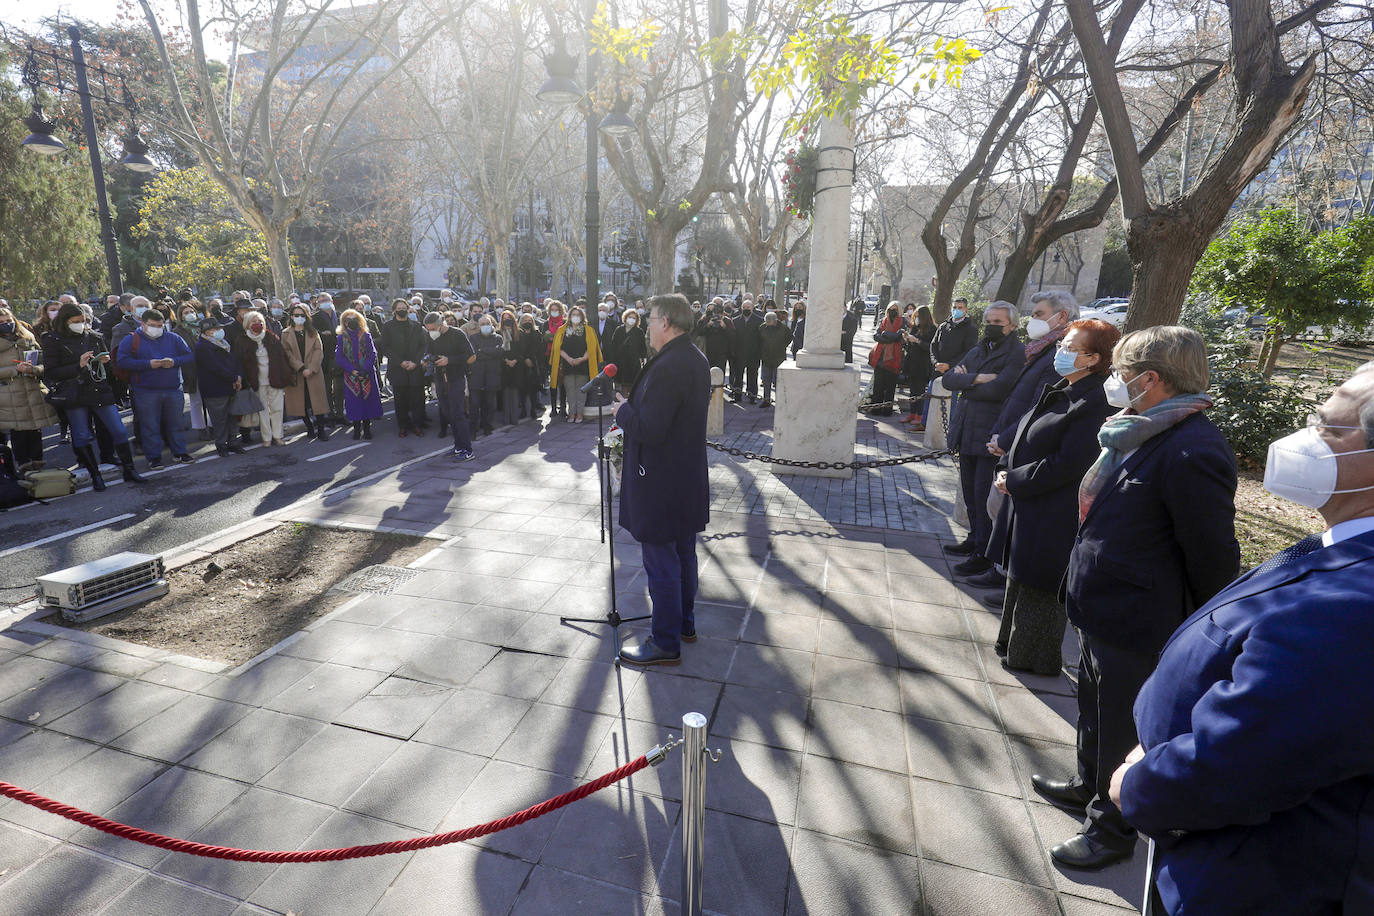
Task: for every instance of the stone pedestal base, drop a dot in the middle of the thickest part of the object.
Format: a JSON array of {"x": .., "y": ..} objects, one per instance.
[{"x": 815, "y": 418}]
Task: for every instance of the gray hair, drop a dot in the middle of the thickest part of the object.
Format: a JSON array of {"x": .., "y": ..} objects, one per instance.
[
  {"x": 136, "y": 301},
  {"x": 1175, "y": 353},
  {"x": 1005, "y": 306},
  {"x": 1367, "y": 409},
  {"x": 674, "y": 307},
  {"x": 1059, "y": 300}
]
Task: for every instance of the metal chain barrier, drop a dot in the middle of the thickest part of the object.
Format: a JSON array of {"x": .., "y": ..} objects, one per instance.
[{"x": 855, "y": 465}]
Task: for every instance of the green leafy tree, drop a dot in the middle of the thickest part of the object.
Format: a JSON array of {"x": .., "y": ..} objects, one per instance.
[
  {"x": 1275, "y": 263},
  {"x": 51, "y": 239},
  {"x": 213, "y": 247}
]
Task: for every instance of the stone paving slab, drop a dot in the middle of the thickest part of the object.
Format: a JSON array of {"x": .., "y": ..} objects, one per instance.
[{"x": 876, "y": 757}]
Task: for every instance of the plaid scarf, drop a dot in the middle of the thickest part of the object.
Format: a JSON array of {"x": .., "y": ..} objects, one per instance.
[
  {"x": 1128, "y": 431},
  {"x": 1035, "y": 346}
]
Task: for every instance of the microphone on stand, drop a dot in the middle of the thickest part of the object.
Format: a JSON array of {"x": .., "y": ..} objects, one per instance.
[{"x": 607, "y": 372}]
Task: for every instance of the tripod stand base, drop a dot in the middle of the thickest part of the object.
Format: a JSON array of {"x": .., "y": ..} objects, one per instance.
[{"x": 612, "y": 620}]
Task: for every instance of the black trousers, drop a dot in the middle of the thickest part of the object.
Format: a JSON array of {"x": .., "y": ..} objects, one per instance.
[
  {"x": 26, "y": 445},
  {"x": 745, "y": 374},
  {"x": 410, "y": 403},
  {"x": 1108, "y": 680},
  {"x": 975, "y": 479},
  {"x": 333, "y": 393}
]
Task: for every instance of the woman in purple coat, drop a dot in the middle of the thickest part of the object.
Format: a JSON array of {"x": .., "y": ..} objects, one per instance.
[{"x": 357, "y": 358}]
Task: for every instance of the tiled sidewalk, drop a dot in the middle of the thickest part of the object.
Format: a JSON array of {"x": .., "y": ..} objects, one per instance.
[{"x": 876, "y": 759}]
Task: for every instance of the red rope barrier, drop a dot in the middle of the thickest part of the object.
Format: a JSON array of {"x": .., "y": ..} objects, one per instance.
[{"x": 320, "y": 855}]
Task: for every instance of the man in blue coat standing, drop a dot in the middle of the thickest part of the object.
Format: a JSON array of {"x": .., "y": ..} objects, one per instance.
[
  {"x": 664, "y": 494},
  {"x": 154, "y": 360},
  {"x": 1255, "y": 769}
]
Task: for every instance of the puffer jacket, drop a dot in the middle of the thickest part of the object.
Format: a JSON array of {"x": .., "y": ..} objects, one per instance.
[{"x": 21, "y": 396}]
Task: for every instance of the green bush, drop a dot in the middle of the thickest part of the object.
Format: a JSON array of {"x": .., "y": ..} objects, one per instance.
[{"x": 1251, "y": 411}]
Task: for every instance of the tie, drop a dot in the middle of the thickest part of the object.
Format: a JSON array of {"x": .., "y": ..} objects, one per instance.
[{"x": 1289, "y": 554}]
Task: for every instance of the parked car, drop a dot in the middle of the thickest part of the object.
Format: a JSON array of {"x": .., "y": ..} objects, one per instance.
[
  {"x": 1114, "y": 313},
  {"x": 1102, "y": 303}
]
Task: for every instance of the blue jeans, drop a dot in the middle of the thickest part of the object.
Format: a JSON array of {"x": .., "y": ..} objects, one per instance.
[
  {"x": 672, "y": 572},
  {"x": 79, "y": 419},
  {"x": 159, "y": 412}
]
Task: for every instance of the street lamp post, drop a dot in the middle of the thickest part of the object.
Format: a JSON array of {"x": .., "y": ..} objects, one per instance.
[{"x": 40, "y": 139}]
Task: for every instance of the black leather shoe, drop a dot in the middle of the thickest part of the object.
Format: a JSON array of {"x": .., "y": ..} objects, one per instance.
[
  {"x": 989, "y": 579},
  {"x": 1087, "y": 853},
  {"x": 962, "y": 549},
  {"x": 973, "y": 566},
  {"x": 688, "y": 635},
  {"x": 1070, "y": 795},
  {"x": 649, "y": 654},
  {"x": 995, "y": 600}
]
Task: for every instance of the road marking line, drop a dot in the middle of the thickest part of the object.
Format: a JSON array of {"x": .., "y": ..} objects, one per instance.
[
  {"x": 339, "y": 451},
  {"x": 65, "y": 534}
]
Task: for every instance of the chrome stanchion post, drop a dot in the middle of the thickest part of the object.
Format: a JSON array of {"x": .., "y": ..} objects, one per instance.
[
  {"x": 1147, "y": 905},
  {"x": 693, "y": 810}
]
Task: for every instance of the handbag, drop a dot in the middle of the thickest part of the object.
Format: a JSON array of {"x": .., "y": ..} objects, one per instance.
[
  {"x": 245, "y": 402},
  {"x": 65, "y": 395}
]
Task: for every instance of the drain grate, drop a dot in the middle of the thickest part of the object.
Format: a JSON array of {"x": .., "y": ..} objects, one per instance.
[{"x": 376, "y": 580}]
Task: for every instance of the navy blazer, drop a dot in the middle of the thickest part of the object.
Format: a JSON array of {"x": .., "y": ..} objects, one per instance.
[
  {"x": 664, "y": 494},
  {"x": 1258, "y": 776},
  {"x": 1051, "y": 449},
  {"x": 1035, "y": 376},
  {"x": 975, "y": 410},
  {"x": 1159, "y": 540}
]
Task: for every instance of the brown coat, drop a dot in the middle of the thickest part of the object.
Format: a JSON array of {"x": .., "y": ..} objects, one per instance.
[
  {"x": 21, "y": 396},
  {"x": 312, "y": 359}
]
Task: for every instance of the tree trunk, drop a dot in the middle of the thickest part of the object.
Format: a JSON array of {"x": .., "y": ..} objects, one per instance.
[
  {"x": 503, "y": 269},
  {"x": 758, "y": 269},
  {"x": 1016, "y": 270},
  {"x": 1164, "y": 246},
  {"x": 279, "y": 256},
  {"x": 662, "y": 239},
  {"x": 1273, "y": 341}
]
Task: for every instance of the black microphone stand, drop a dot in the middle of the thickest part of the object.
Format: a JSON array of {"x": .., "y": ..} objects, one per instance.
[{"x": 600, "y": 391}]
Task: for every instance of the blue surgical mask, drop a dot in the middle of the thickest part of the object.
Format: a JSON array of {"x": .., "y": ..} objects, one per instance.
[
  {"x": 957, "y": 314},
  {"x": 277, "y": 313},
  {"x": 217, "y": 334},
  {"x": 139, "y": 310},
  {"x": 1064, "y": 362},
  {"x": 487, "y": 329}
]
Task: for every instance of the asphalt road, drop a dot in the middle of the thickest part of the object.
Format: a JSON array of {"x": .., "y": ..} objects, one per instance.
[{"x": 183, "y": 502}]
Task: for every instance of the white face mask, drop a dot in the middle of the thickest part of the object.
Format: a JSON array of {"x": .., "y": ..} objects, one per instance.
[
  {"x": 576, "y": 319},
  {"x": 1037, "y": 328},
  {"x": 434, "y": 335},
  {"x": 153, "y": 332},
  {"x": 1118, "y": 392},
  {"x": 77, "y": 327},
  {"x": 601, "y": 313},
  {"x": 1302, "y": 467},
  {"x": 299, "y": 320},
  {"x": 631, "y": 321}
]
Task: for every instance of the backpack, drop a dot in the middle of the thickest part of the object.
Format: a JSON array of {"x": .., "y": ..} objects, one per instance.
[
  {"x": 48, "y": 483},
  {"x": 124, "y": 374}
]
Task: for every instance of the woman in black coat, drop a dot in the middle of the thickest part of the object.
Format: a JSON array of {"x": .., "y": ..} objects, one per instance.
[
  {"x": 631, "y": 349},
  {"x": 531, "y": 351},
  {"x": 916, "y": 362},
  {"x": 75, "y": 368},
  {"x": 1055, "y": 444}
]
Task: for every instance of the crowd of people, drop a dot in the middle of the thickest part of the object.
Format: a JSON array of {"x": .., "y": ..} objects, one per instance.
[{"x": 238, "y": 370}]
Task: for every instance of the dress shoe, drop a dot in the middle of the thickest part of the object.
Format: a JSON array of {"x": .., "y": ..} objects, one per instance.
[
  {"x": 688, "y": 635},
  {"x": 990, "y": 579},
  {"x": 1070, "y": 795},
  {"x": 1085, "y": 852},
  {"x": 995, "y": 600},
  {"x": 649, "y": 654},
  {"x": 962, "y": 549},
  {"x": 973, "y": 566}
]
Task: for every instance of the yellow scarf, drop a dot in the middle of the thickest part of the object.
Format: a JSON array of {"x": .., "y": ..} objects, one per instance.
[{"x": 556, "y": 362}]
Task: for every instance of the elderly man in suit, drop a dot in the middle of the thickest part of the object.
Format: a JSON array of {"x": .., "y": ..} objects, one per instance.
[
  {"x": 1255, "y": 770},
  {"x": 1156, "y": 539},
  {"x": 664, "y": 494}
]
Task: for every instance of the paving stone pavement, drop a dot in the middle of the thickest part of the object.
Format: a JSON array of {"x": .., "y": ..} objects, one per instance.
[{"x": 876, "y": 757}]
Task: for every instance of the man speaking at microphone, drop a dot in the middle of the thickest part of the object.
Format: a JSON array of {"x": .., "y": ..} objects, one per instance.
[{"x": 664, "y": 494}]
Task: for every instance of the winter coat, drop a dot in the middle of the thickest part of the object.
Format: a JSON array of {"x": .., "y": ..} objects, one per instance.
[
  {"x": 457, "y": 346},
  {"x": 953, "y": 340},
  {"x": 748, "y": 344},
  {"x": 486, "y": 372},
  {"x": 216, "y": 369},
  {"x": 21, "y": 396},
  {"x": 977, "y": 407},
  {"x": 1033, "y": 379},
  {"x": 775, "y": 339},
  {"x": 717, "y": 332},
  {"x": 187, "y": 332},
  {"x": 326, "y": 322},
  {"x": 62, "y": 361},
  {"x": 312, "y": 359},
  {"x": 278, "y": 372},
  {"x": 887, "y": 351},
  {"x": 664, "y": 491},
  {"x": 138, "y": 350},
  {"x": 798, "y": 335},
  {"x": 404, "y": 341},
  {"x": 631, "y": 349}
]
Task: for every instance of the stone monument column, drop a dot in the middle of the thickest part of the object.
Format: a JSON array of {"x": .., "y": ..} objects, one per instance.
[{"x": 818, "y": 398}]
